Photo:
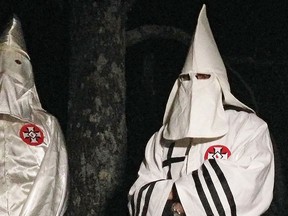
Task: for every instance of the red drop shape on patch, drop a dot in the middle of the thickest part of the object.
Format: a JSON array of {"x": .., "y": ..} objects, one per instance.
[
  {"x": 32, "y": 135},
  {"x": 217, "y": 152}
]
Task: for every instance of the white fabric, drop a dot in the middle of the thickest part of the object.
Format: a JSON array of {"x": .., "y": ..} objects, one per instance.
[
  {"x": 197, "y": 110},
  {"x": 17, "y": 88},
  {"x": 249, "y": 171},
  {"x": 203, "y": 57},
  {"x": 208, "y": 183},
  {"x": 33, "y": 176},
  {"x": 12, "y": 37}
]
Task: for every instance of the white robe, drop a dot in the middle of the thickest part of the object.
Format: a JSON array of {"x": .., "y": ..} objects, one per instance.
[
  {"x": 33, "y": 177},
  {"x": 239, "y": 181},
  {"x": 33, "y": 157}
]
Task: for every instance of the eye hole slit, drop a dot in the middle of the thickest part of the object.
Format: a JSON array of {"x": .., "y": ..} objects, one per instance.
[
  {"x": 202, "y": 76},
  {"x": 18, "y": 61},
  {"x": 184, "y": 77}
]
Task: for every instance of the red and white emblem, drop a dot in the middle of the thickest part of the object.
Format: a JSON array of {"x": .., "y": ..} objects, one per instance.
[
  {"x": 31, "y": 134},
  {"x": 217, "y": 152}
]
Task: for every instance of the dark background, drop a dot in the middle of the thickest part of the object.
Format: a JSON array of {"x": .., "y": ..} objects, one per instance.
[{"x": 251, "y": 36}]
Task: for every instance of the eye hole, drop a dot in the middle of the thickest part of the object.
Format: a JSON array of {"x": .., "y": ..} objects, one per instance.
[
  {"x": 18, "y": 61},
  {"x": 202, "y": 76},
  {"x": 184, "y": 77}
]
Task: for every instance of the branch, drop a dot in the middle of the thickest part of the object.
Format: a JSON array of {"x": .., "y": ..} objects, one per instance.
[{"x": 146, "y": 32}]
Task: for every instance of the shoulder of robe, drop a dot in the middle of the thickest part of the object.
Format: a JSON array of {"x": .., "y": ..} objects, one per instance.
[
  {"x": 46, "y": 120},
  {"x": 245, "y": 120}
]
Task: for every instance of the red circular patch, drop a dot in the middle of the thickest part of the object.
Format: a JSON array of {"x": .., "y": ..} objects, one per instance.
[
  {"x": 31, "y": 134},
  {"x": 217, "y": 152}
]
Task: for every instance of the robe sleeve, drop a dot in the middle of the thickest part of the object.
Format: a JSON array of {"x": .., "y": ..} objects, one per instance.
[
  {"x": 241, "y": 186},
  {"x": 49, "y": 193},
  {"x": 149, "y": 194}
]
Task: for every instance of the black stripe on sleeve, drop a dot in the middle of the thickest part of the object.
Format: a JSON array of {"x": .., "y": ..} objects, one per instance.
[
  {"x": 225, "y": 186},
  {"x": 139, "y": 197},
  {"x": 201, "y": 193},
  {"x": 213, "y": 191},
  {"x": 132, "y": 203},
  {"x": 147, "y": 198}
]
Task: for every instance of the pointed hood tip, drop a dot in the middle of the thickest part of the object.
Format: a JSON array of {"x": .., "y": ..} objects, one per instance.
[
  {"x": 203, "y": 15},
  {"x": 12, "y": 36},
  {"x": 203, "y": 9},
  {"x": 203, "y": 54},
  {"x": 15, "y": 18}
]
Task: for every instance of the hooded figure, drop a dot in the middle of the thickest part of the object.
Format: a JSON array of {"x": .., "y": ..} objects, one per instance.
[
  {"x": 33, "y": 158},
  {"x": 205, "y": 159}
]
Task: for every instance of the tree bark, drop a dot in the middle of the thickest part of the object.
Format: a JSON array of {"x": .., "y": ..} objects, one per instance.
[
  {"x": 96, "y": 127},
  {"x": 146, "y": 32}
]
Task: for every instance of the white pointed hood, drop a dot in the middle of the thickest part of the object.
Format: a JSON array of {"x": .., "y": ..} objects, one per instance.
[
  {"x": 195, "y": 107},
  {"x": 17, "y": 88}
]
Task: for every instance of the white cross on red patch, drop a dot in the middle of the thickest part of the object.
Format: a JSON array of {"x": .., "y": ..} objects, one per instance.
[
  {"x": 217, "y": 152},
  {"x": 32, "y": 135}
]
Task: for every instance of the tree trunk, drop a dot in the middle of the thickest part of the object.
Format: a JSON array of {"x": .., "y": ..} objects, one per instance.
[{"x": 96, "y": 127}]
